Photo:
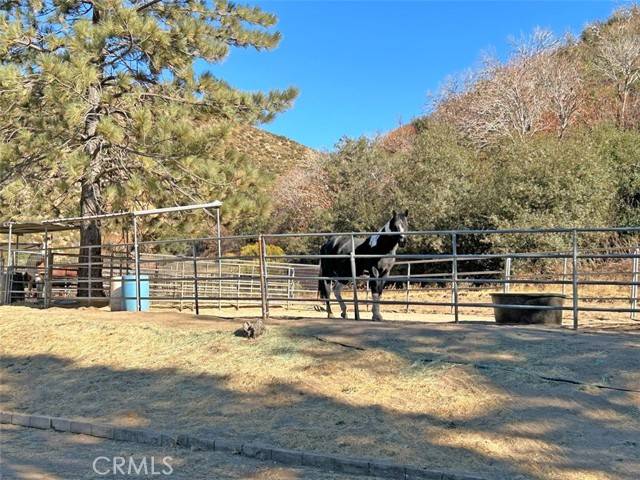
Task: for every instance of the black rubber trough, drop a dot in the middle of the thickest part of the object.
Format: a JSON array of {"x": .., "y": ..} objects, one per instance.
[{"x": 527, "y": 316}]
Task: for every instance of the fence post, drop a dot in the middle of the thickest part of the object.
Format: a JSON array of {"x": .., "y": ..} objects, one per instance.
[
  {"x": 454, "y": 267},
  {"x": 263, "y": 279},
  {"x": 9, "y": 246},
  {"x": 289, "y": 285},
  {"x": 195, "y": 278},
  {"x": 49, "y": 273},
  {"x": 206, "y": 283},
  {"x": 174, "y": 284},
  {"x": 111, "y": 268},
  {"x": 45, "y": 259},
  {"x": 219, "y": 245},
  {"x": 576, "y": 310},
  {"x": 453, "y": 302},
  {"x": 356, "y": 307},
  {"x": 564, "y": 274},
  {"x": 45, "y": 298},
  {"x": 366, "y": 289},
  {"x": 507, "y": 275},
  {"x": 238, "y": 288},
  {"x": 89, "y": 276},
  {"x": 181, "y": 287},
  {"x": 408, "y": 283},
  {"x": 9, "y": 278},
  {"x": 136, "y": 250},
  {"x": 634, "y": 286},
  {"x": 253, "y": 274}
]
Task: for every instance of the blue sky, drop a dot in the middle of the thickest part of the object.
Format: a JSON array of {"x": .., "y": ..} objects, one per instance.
[{"x": 363, "y": 67}]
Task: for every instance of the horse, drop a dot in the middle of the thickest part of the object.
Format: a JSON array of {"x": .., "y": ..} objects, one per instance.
[
  {"x": 18, "y": 285},
  {"x": 378, "y": 268}
]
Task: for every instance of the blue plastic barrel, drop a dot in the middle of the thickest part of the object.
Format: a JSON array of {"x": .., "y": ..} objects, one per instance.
[{"x": 129, "y": 293}]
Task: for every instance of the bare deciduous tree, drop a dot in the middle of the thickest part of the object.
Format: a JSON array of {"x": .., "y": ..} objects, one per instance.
[
  {"x": 617, "y": 58},
  {"x": 298, "y": 193},
  {"x": 561, "y": 82},
  {"x": 515, "y": 99}
]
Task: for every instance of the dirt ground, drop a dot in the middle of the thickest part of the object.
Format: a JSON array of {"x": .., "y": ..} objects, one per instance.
[
  {"x": 29, "y": 454},
  {"x": 472, "y": 397},
  {"x": 599, "y": 296}
]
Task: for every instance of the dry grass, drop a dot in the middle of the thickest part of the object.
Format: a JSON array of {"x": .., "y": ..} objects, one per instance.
[{"x": 412, "y": 395}]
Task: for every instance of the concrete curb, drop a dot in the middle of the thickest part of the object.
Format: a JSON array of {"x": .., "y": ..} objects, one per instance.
[{"x": 353, "y": 466}]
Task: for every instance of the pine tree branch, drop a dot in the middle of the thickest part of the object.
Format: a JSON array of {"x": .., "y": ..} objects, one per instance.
[
  {"x": 66, "y": 120},
  {"x": 19, "y": 169},
  {"x": 147, "y": 5}
]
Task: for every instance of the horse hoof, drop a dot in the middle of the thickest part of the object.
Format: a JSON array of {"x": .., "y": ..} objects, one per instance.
[
  {"x": 376, "y": 318},
  {"x": 344, "y": 316},
  {"x": 330, "y": 315}
]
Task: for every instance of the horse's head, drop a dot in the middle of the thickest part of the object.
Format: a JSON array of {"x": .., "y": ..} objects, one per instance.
[{"x": 400, "y": 223}]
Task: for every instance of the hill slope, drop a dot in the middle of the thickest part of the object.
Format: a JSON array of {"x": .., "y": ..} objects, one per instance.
[
  {"x": 548, "y": 85},
  {"x": 274, "y": 153}
]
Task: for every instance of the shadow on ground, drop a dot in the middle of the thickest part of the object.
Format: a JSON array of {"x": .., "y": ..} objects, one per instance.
[
  {"x": 536, "y": 429},
  {"x": 47, "y": 455}
]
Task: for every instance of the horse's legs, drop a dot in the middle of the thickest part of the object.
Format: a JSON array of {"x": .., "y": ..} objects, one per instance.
[
  {"x": 376, "y": 285},
  {"x": 328, "y": 285},
  {"x": 338, "y": 293},
  {"x": 375, "y": 307}
]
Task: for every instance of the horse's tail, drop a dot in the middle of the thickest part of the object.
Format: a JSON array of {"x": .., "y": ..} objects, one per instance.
[{"x": 323, "y": 286}]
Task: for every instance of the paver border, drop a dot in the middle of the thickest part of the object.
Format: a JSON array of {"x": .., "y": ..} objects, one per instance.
[{"x": 300, "y": 458}]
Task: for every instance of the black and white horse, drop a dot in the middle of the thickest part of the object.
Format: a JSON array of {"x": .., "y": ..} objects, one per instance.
[{"x": 378, "y": 268}]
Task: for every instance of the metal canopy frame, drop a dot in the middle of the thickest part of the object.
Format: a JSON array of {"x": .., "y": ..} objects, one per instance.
[
  {"x": 135, "y": 213},
  {"x": 26, "y": 228},
  {"x": 72, "y": 223},
  {"x": 11, "y": 228}
]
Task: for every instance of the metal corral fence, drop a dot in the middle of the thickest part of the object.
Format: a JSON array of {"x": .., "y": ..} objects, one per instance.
[
  {"x": 53, "y": 277},
  {"x": 194, "y": 273}
]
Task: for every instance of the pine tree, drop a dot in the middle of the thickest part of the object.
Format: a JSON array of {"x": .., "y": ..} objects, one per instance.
[{"x": 103, "y": 109}]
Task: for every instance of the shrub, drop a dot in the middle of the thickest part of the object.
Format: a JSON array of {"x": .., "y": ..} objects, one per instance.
[{"x": 253, "y": 250}]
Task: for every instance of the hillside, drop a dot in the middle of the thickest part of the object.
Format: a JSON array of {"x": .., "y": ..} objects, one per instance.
[
  {"x": 274, "y": 153},
  {"x": 297, "y": 188},
  {"x": 548, "y": 86}
]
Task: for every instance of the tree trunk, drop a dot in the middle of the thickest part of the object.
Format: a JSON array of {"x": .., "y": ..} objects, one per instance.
[
  {"x": 624, "y": 99},
  {"x": 90, "y": 269},
  {"x": 90, "y": 259}
]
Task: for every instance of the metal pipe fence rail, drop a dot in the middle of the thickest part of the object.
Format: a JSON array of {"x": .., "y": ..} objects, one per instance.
[
  {"x": 453, "y": 281},
  {"x": 580, "y": 277},
  {"x": 55, "y": 277}
]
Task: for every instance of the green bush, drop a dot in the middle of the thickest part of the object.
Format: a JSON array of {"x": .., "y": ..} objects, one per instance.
[
  {"x": 591, "y": 177},
  {"x": 621, "y": 149},
  {"x": 546, "y": 182}
]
